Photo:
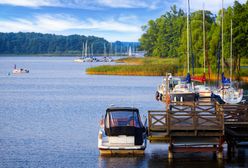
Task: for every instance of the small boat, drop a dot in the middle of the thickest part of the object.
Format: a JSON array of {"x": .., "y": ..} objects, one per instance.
[
  {"x": 183, "y": 92},
  {"x": 85, "y": 57},
  {"x": 228, "y": 94},
  {"x": 19, "y": 70},
  {"x": 161, "y": 89},
  {"x": 79, "y": 59},
  {"x": 122, "y": 132},
  {"x": 106, "y": 59}
]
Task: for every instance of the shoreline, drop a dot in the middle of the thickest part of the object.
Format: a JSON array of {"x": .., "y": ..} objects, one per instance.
[
  {"x": 212, "y": 79},
  {"x": 151, "y": 67},
  {"x": 54, "y": 55}
]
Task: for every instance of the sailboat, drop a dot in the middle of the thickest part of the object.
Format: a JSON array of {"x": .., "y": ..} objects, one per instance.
[
  {"x": 204, "y": 91},
  {"x": 227, "y": 93},
  {"x": 130, "y": 51},
  {"x": 81, "y": 59},
  {"x": 182, "y": 91}
]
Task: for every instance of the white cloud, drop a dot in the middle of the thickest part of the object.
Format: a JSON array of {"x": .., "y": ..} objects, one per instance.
[
  {"x": 58, "y": 23},
  {"x": 87, "y": 4},
  {"x": 212, "y": 5},
  {"x": 32, "y": 3},
  {"x": 127, "y": 3}
]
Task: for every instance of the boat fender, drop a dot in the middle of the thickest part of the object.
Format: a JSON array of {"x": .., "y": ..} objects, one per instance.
[
  {"x": 161, "y": 97},
  {"x": 157, "y": 96},
  {"x": 167, "y": 99}
]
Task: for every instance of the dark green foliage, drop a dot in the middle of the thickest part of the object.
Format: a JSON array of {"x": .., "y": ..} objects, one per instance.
[
  {"x": 37, "y": 43},
  {"x": 166, "y": 37},
  {"x": 162, "y": 36}
]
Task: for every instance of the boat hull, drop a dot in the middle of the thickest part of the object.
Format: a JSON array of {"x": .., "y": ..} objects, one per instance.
[
  {"x": 183, "y": 97},
  {"x": 229, "y": 96},
  {"x": 122, "y": 152},
  {"x": 120, "y": 146},
  {"x": 20, "y": 71}
]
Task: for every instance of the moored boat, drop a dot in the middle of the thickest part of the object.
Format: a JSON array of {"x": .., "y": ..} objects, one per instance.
[
  {"x": 161, "y": 89},
  {"x": 227, "y": 93},
  {"x": 183, "y": 92},
  {"x": 19, "y": 70},
  {"x": 122, "y": 132}
]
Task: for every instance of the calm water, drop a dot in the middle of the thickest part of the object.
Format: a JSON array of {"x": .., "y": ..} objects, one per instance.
[{"x": 49, "y": 117}]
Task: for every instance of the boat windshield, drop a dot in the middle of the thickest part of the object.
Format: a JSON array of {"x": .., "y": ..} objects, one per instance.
[{"x": 123, "y": 119}]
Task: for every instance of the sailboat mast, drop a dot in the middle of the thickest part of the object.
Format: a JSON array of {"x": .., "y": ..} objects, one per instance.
[
  {"x": 204, "y": 40},
  {"x": 188, "y": 34},
  {"x": 83, "y": 50},
  {"x": 104, "y": 50},
  {"x": 222, "y": 38},
  {"x": 231, "y": 51},
  {"x": 86, "y": 48},
  {"x": 92, "y": 52}
]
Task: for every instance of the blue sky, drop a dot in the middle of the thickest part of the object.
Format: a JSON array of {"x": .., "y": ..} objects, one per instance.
[{"x": 110, "y": 19}]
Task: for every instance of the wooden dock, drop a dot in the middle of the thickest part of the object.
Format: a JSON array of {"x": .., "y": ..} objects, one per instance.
[
  {"x": 198, "y": 126},
  {"x": 236, "y": 124}
]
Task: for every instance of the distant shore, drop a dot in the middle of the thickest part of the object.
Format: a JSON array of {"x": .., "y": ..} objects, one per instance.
[{"x": 53, "y": 55}]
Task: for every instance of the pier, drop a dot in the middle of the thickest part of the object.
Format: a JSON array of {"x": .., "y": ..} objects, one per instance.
[{"x": 199, "y": 127}]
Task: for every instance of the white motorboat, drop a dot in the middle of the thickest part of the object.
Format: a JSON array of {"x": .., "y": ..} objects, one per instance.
[
  {"x": 79, "y": 60},
  {"x": 161, "y": 89},
  {"x": 122, "y": 132},
  {"x": 19, "y": 70},
  {"x": 183, "y": 92}
]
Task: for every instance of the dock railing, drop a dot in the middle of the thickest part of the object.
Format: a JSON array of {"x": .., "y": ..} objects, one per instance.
[
  {"x": 187, "y": 120},
  {"x": 195, "y": 120},
  {"x": 234, "y": 114}
]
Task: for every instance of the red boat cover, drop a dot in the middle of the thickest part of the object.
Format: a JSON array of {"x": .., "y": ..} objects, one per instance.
[{"x": 201, "y": 79}]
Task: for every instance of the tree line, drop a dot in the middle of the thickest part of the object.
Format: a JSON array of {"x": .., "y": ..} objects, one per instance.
[
  {"x": 166, "y": 36},
  {"x": 38, "y": 43}
]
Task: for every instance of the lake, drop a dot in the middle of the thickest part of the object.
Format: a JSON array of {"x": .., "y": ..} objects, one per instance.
[{"x": 50, "y": 117}]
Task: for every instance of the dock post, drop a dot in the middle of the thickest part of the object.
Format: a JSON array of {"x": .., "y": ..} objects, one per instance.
[
  {"x": 220, "y": 149},
  {"x": 170, "y": 151},
  {"x": 220, "y": 154}
]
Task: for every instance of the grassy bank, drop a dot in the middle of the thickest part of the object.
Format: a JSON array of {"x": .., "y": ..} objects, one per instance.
[
  {"x": 137, "y": 67},
  {"x": 152, "y": 67}
]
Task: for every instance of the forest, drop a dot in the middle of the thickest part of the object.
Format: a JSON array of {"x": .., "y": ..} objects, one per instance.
[
  {"x": 38, "y": 43},
  {"x": 165, "y": 37}
]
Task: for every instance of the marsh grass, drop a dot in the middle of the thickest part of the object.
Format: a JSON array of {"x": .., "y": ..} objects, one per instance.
[
  {"x": 137, "y": 67},
  {"x": 152, "y": 67}
]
